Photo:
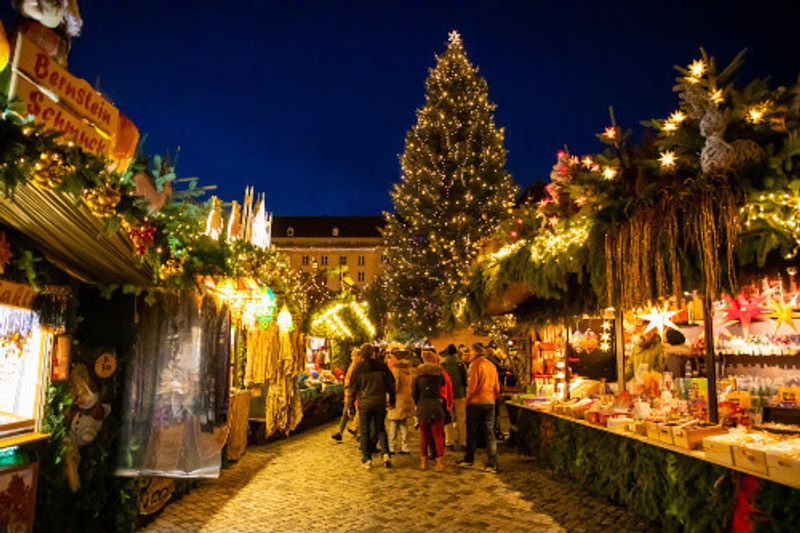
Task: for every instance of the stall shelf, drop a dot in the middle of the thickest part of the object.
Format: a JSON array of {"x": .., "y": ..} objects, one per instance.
[{"x": 686, "y": 488}]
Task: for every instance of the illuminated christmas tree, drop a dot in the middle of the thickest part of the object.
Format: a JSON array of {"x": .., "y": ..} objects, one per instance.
[{"x": 453, "y": 192}]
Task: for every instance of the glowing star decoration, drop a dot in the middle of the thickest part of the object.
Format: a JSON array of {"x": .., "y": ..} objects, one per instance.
[
  {"x": 745, "y": 311},
  {"x": 667, "y": 159},
  {"x": 716, "y": 97},
  {"x": 587, "y": 162},
  {"x": 659, "y": 319},
  {"x": 755, "y": 115},
  {"x": 285, "y": 320},
  {"x": 610, "y": 133},
  {"x": 605, "y": 336},
  {"x": 605, "y": 346},
  {"x": 609, "y": 173},
  {"x": 677, "y": 117},
  {"x": 782, "y": 313},
  {"x": 669, "y": 127},
  {"x": 696, "y": 70}
]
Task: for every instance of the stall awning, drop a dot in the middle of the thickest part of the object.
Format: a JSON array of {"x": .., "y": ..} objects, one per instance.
[{"x": 70, "y": 236}]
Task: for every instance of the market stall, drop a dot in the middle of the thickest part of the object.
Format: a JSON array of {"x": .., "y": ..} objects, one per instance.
[{"x": 668, "y": 266}]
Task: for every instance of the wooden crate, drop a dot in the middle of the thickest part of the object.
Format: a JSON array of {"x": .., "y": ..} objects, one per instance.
[
  {"x": 692, "y": 437},
  {"x": 665, "y": 433},
  {"x": 750, "y": 459},
  {"x": 719, "y": 451},
  {"x": 783, "y": 469},
  {"x": 652, "y": 431}
]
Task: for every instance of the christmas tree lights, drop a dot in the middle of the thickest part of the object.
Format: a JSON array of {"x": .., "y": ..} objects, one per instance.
[{"x": 453, "y": 193}]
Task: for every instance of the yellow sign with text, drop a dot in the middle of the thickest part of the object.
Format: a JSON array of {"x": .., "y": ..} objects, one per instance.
[
  {"x": 68, "y": 90},
  {"x": 54, "y": 116}
]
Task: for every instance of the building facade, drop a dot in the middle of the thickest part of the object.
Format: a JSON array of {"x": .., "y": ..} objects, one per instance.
[{"x": 347, "y": 248}]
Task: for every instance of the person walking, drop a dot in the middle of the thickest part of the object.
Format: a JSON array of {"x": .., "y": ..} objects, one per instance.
[
  {"x": 455, "y": 433},
  {"x": 483, "y": 388},
  {"x": 492, "y": 355},
  {"x": 355, "y": 358},
  {"x": 397, "y": 418},
  {"x": 371, "y": 382},
  {"x": 427, "y": 393}
]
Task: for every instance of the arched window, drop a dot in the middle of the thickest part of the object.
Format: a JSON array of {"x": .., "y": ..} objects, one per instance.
[
  {"x": 335, "y": 231},
  {"x": 290, "y": 231}
]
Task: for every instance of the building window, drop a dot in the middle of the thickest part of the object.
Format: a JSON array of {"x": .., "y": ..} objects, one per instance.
[
  {"x": 323, "y": 260},
  {"x": 305, "y": 260},
  {"x": 290, "y": 231},
  {"x": 335, "y": 232},
  {"x": 361, "y": 277},
  {"x": 361, "y": 260},
  {"x": 342, "y": 259}
]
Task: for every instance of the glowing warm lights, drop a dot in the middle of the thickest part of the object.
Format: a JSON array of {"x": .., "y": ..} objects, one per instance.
[
  {"x": 610, "y": 133},
  {"x": 609, "y": 173},
  {"x": 781, "y": 211},
  {"x": 331, "y": 320},
  {"x": 667, "y": 159},
  {"x": 587, "y": 162},
  {"x": 716, "y": 97},
  {"x": 551, "y": 245}
]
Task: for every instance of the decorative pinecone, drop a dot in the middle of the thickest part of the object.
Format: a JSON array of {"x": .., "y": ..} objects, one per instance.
[
  {"x": 48, "y": 171},
  {"x": 102, "y": 201}
]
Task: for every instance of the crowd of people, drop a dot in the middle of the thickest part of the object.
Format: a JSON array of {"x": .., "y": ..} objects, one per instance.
[{"x": 452, "y": 398}]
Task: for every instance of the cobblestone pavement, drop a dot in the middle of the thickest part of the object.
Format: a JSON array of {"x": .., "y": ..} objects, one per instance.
[{"x": 310, "y": 483}]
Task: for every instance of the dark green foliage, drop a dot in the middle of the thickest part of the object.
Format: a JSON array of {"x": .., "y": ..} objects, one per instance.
[{"x": 684, "y": 493}]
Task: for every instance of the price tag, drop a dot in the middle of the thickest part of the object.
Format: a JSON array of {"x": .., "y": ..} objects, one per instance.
[{"x": 105, "y": 365}]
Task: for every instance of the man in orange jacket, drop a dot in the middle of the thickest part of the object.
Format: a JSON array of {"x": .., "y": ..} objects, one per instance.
[{"x": 483, "y": 388}]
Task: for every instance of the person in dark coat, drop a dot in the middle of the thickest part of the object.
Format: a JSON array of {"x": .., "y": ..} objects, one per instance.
[
  {"x": 370, "y": 383},
  {"x": 427, "y": 393}
]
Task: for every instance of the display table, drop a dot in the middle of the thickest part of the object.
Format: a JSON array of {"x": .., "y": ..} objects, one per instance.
[
  {"x": 683, "y": 487},
  {"x": 321, "y": 407}
]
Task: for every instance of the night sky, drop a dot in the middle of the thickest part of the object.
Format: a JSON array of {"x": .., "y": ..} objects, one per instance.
[{"x": 310, "y": 101}]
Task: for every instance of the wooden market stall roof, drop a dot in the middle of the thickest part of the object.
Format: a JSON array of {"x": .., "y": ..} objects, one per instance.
[{"x": 71, "y": 237}]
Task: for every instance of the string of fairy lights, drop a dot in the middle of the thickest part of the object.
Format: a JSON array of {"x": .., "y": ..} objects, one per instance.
[{"x": 331, "y": 320}]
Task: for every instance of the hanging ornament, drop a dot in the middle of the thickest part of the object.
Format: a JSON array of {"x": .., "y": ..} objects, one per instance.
[
  {"x": 5, "y": 252},
  {"x": 782, "y": 313},
  {"x": 102, "y": 201},
  {"x": 745, "y": 310},
  {"x": 172, "y": 267},
  {"x": 142, "y": 238}
]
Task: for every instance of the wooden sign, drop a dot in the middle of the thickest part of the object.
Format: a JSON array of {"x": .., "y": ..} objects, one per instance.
[
  {"x": 16, "y": 294},
  {"x": 62, "y": 102},
  {"x": 154, "y": 493},
  {"x": 73, "y": 93},
  {"x": 105, "y": 365}
]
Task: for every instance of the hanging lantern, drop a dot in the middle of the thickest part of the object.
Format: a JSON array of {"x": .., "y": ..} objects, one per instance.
[{"x": 285, "y": 319}]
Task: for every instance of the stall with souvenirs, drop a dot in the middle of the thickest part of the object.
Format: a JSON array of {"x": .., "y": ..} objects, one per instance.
[{"x": 680, "y": 252}]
